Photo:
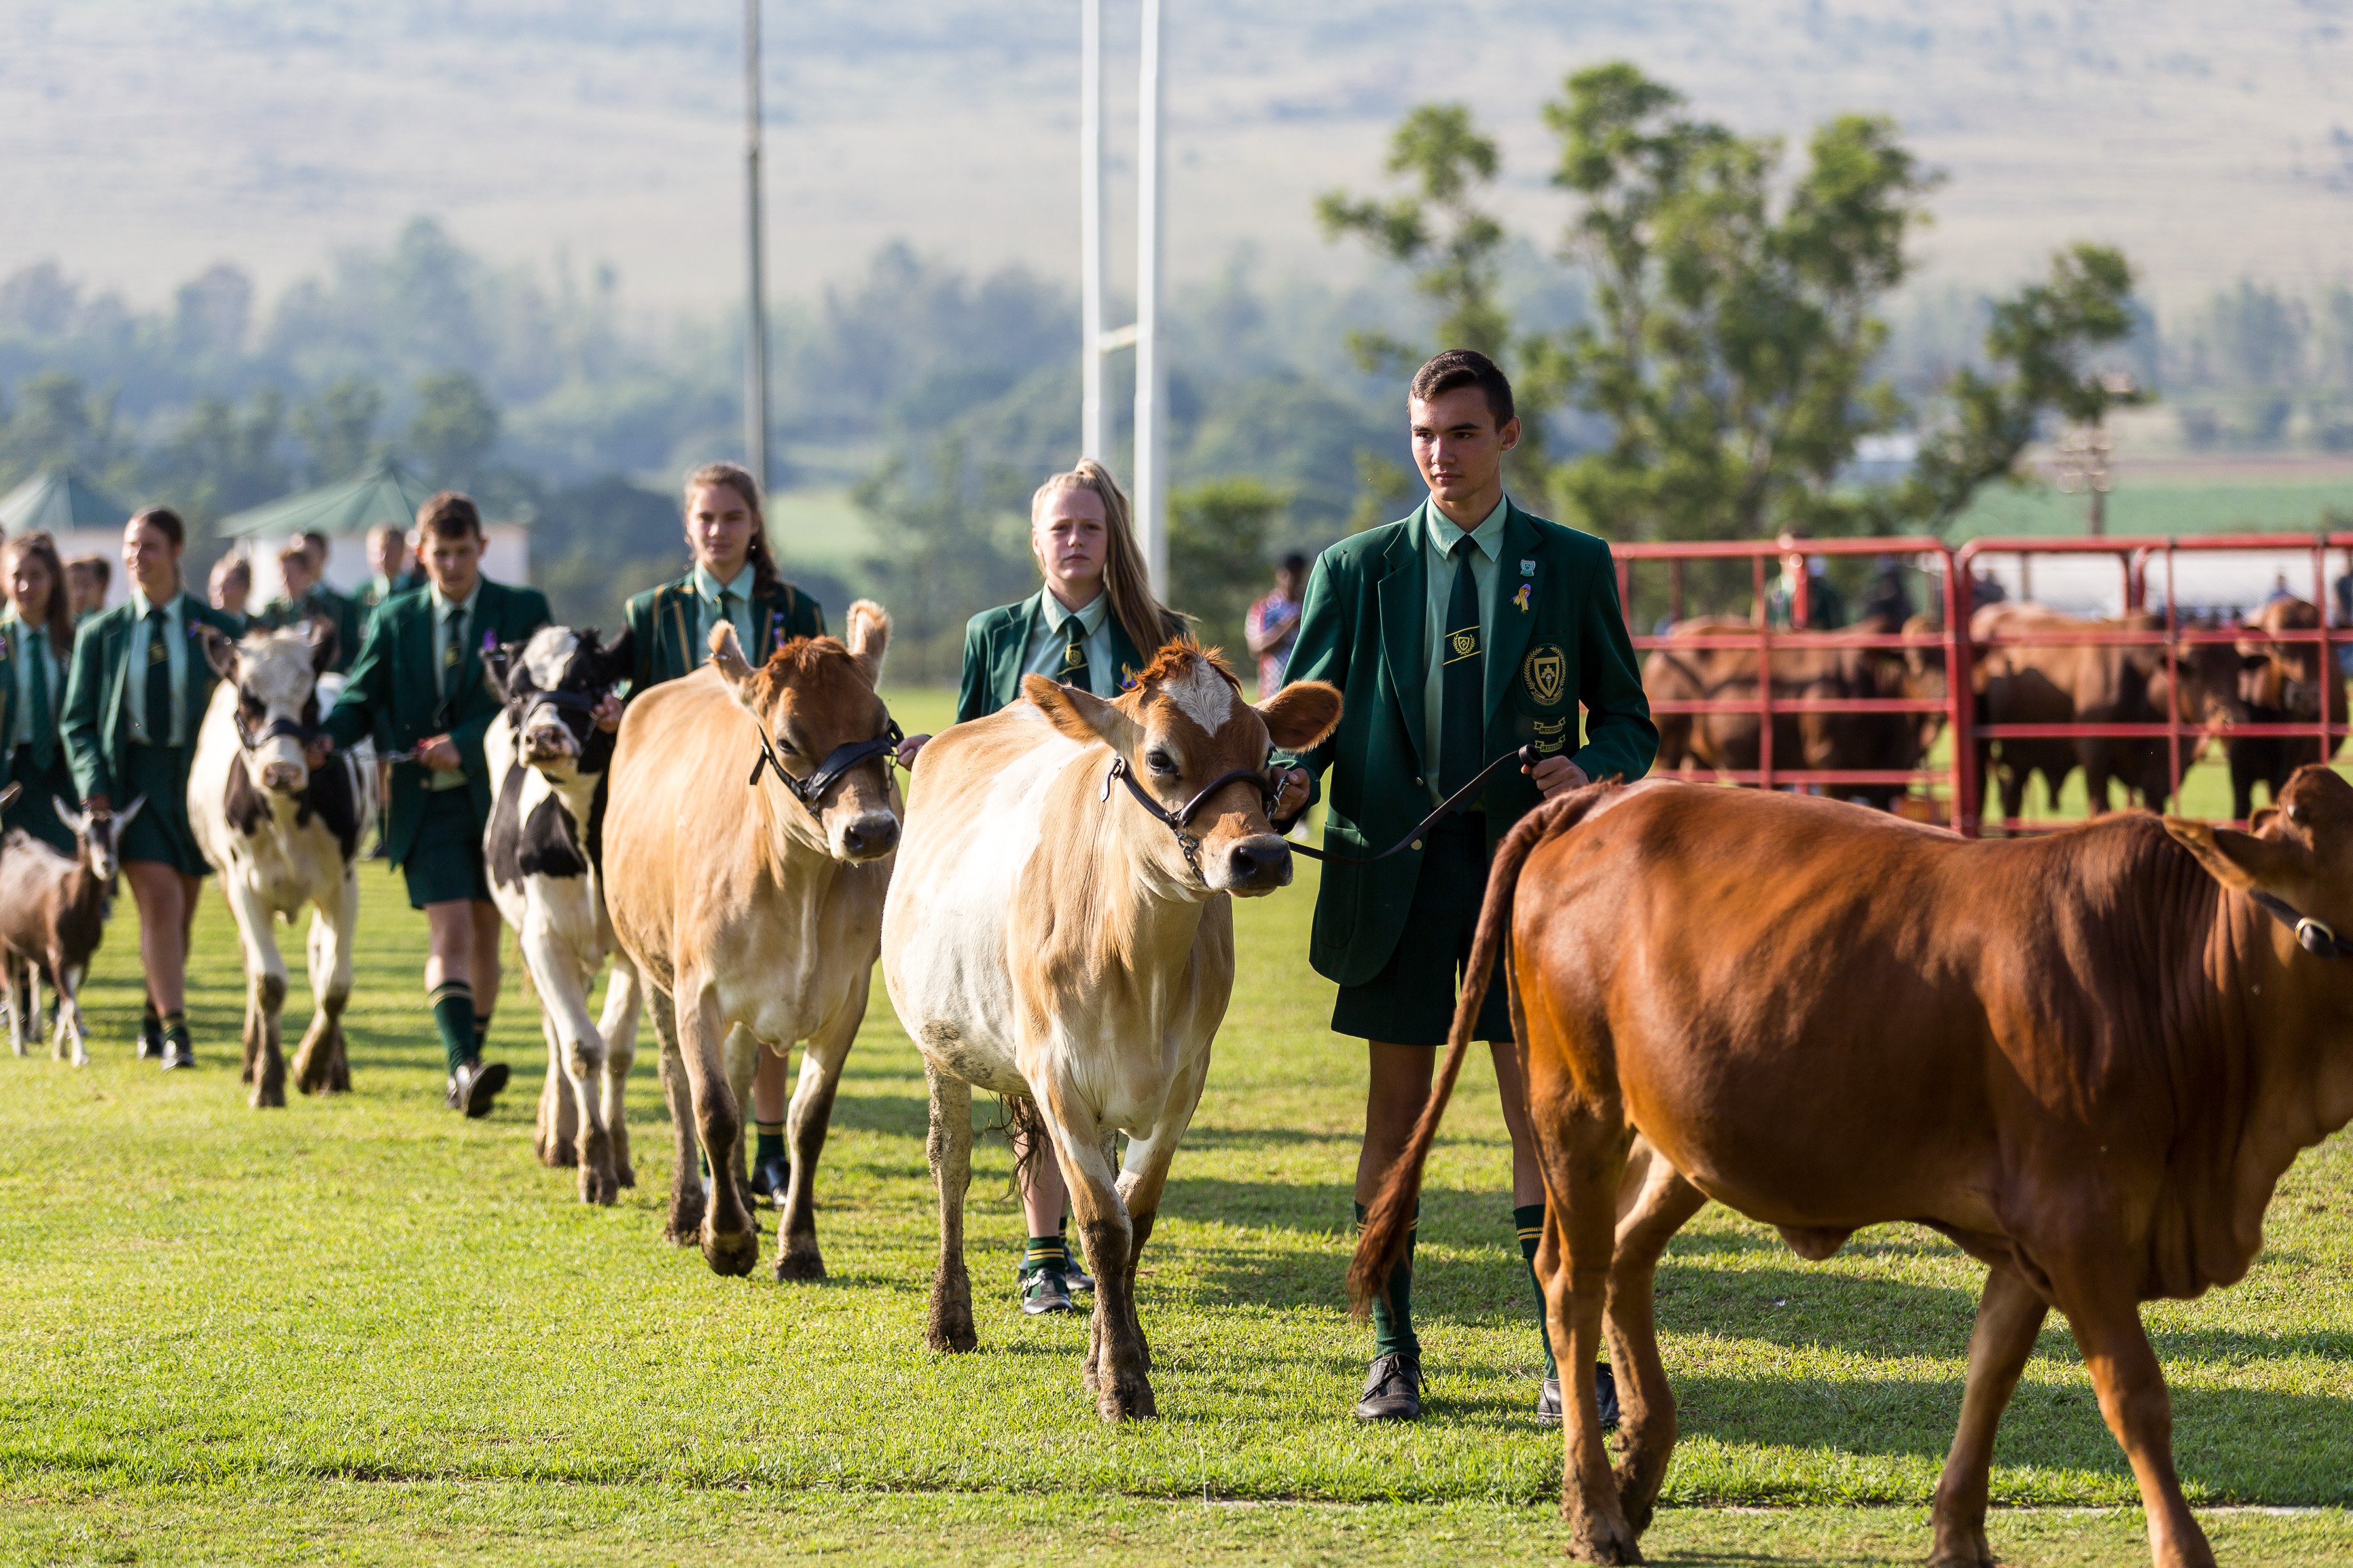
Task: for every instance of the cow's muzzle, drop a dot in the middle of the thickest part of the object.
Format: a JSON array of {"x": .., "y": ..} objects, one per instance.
[
  {"x": 867, "y": 837},
  {"x": 284, "y": 778},
  {"x": 1258, "y": 864},
  {"x": 546, "y": 743}
]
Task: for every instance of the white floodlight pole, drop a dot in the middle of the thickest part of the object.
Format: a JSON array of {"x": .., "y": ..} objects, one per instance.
[
  {"x": 1151, "y": 370},
  {"x": 755, "y": 379},
  {"x": 1093, "y": 438}
]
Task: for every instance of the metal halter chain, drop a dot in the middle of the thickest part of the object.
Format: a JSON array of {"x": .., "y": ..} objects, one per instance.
[
  {"x": 2315, "y": 937},
  {"x": 1180, "y": 819},
  {"x": 810, "y": 791}
]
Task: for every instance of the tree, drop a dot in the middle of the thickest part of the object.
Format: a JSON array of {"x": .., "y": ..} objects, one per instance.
[
  {"x": 57, "y": 421},
  {"x": 455, "y": 427},
  {"x": 337, "y": 429},
  {"x": 220, "y": 461},
  {"x": 1217, "y": 533},
  {"x": 945, "y": 551}
]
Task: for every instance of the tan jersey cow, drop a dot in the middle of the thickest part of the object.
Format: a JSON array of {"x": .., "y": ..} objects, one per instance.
[
  {"x": 1060, "y": 932},
  {"x": 753, "y": 914}
]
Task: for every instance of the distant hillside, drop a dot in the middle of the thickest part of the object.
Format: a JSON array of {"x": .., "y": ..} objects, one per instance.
[{"x": 2212, "y": 142}]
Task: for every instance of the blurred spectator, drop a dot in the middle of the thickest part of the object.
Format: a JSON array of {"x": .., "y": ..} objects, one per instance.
[
  {"x": 232, "y": 583},
  {"x": 88, "y": 577},
  {"x": 1271, "y": 625}
]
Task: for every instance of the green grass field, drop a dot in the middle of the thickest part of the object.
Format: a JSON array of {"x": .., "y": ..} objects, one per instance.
[{"x": 366, "y": 1331}]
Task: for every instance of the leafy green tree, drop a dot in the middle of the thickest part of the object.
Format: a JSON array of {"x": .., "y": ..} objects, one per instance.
[
  {"x": 1218, "y": 535},
  {"x": 221, "y": 460},
  {"x": 57, "y": 421},
  {"x": 948, "y": 545},
  {"x": 455, "y": 427},
  {"x": 337, "y": 429}
]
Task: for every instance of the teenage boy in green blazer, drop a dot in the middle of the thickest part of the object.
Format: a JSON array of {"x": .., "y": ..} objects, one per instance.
[
  {"x": 417, "y": 684},
  {"x": 1458, "y": 635},
  {"x": 734, "y": 577},
  {"x": 135, "y": 700},
  {"x": 307, "y": 598},
  {"x": 37, "y": 638}
]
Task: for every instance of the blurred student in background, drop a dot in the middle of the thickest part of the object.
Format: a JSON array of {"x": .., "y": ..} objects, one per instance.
[
  {"x": 231, "y": 587},
  {"x": 87, "y": 578},
  {"x": 35, "y": 651}
]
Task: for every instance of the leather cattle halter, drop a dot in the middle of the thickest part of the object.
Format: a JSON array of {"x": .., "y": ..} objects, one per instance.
[
  {"x": 1526, "y": 756},
  {"x": 569, "y": 703},
  {"x": 2315, "y": 937},
  {"x": 811, "y": 791},
  {"x": 1180, "y": 821},
  {"x": 275, "y": 730}
]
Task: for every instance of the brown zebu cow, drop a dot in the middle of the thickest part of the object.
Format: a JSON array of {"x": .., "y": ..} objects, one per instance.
[
  {"x": 1061, "y": 932},
  {"x": 2111, "y": 1051},
  {"x": 753, "y": 915},
  {"x": 2281, "y": 683},
  {"x": 1813, "y": 741}
]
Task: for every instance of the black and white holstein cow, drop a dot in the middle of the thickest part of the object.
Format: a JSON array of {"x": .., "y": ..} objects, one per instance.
[
  {"x": 546, "y": 864},
  {"x": 283, "y": 832}
]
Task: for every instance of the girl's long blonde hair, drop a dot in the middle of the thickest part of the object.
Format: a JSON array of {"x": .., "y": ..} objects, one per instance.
[{"x": 1148, "y": 622}]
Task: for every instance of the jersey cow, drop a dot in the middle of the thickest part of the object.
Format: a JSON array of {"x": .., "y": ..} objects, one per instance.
[
  {"x": 283, "y": 832},
  {"x": 1060, "y": 934},
  {"x": 2114, "y": 1041},
  {"x": 754, "y": 915},
  {"x": 548, "y": 759},
  {"x": 53, "y": 910}
]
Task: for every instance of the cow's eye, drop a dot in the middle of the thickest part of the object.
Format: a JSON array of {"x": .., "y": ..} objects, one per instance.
[
  {"x": 1159, "y": 762},
  {"x": 786, "y": 746}
]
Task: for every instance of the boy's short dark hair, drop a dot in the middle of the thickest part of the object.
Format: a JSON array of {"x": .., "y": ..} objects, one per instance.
[
  {"x": 449, "y": 515},
  {"x": 1293, "y": 562},
  {"x": 1466, "y": 367}
]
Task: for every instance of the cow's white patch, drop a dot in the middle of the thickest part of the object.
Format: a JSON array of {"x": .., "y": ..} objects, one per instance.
[
  {"x": 1202, "y": 695},
  {"x": 548, "y": 656},
  {"x": 274, "y": 669}
]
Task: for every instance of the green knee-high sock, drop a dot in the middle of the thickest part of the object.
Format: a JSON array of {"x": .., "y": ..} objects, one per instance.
[
  {"x": 1393, "y": 1307},
  {"x": 1530, "y": 1219},
  {"x": 453, "y": 1017},
  {"x": 769, "y": 1142},
  {"x": 1047, "y": 1251},
  {"x": 175, "y": 1028}
]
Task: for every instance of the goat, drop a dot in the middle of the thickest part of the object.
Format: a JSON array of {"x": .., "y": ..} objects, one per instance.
[{"x": 53, "y": 910}]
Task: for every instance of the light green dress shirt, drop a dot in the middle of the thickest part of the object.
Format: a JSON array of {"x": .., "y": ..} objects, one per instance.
[
  {"x": 176, "y": 650},
  {"x": 33, "y": 660},
  {"x": 1047, "y": 641},
  {"x": 708, "y": 591},
  {"x": 448, "y": 778},
  {"x": 1437, "y": 554}
]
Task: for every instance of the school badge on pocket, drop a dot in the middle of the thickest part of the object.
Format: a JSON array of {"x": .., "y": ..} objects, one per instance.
[{"x": 1545, "y": 671}]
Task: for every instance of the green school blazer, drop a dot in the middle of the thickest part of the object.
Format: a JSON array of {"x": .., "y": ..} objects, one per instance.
[
  {"x": 996, "y": 641},
  {"x": 96, "y": 728},
  {"x": 10, "y": 651},
  {"x": 1560, "y": 646},
  {"x": 344, "y": 613},
  {"x": 393, "y": 695},
  {"x": 662, "y": 623}
]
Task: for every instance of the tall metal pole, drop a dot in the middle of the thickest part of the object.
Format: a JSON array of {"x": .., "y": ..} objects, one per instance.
[
  {"x": 755, "y": 387},
  {"x": 1093, "y": 437},
  {"x": 1151, "y": 370}
]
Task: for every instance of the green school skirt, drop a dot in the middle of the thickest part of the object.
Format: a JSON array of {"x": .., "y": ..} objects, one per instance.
[
  {"x": 446, "y": 861},
  {"x": 1412, "y": 1001},
  {"x": 33, "y": 810},
  {"x": 159, "y": 775}
]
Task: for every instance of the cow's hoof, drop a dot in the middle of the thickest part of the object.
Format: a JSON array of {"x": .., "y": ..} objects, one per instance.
[
  {"x": 268, "y": 1097},
  {"x": 958, "y": 1340},
  {"x": 1126, "y": 1399},
  {"x": 800, "y": 1263},
  {"x": 1603, "y": 1545},
  {"x": 598, "y": 1187},
  {"x": 625, "y": 1174},
  {"x": 731, "y": 1254}
]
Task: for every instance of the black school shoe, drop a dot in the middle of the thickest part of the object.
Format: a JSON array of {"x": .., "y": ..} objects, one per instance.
[
  {"x": 178, "y": 1054},
  {"x": 1392, "y": 1389},
  {"x": 474, "y": 1087},
  {"x": 1605, "y": 1393},
  {"x": 771, "y": 1179},
  {"x": 1045, "y": 1290},
  {"x": 151, "y": 1045}
]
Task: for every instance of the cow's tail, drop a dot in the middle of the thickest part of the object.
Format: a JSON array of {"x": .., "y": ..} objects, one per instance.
[{"x": 1390, "y": 1220}]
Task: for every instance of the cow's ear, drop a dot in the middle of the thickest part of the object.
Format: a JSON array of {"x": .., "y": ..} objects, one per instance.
[
  {"x": 2235, "y": 860},
  {"x": 727, "y": 655},
  {"x": 325, "y": 643},
  {"x": 219, "y": 652},
  {"x": 498, "y": 662},
  {"x": 1082, "y": 715},
  {"x": 1301, "y": 715},
  {"x": 869, "y": 634},
  {"x": 615, "y": 664},
  {"x": 2263, "y": 818}
]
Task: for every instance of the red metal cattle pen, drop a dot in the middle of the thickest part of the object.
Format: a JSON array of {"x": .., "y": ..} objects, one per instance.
[
  {"x": 1763, "y": 639},
  {"x": 2134, "y": 557}
]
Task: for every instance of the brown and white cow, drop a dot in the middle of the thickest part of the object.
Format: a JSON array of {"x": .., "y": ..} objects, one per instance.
[
  {"x": 547, "y": 761},
  {"x": 753, "y": 915},
  {"x": 283, "y": 834},
  {"x": 1054, "y": 939},
  {"x": 2087, "y": 1058}
]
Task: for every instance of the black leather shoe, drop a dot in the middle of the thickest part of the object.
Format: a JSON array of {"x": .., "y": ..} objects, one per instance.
[
  {"x": 1081, "y": 1282},
  {"x": 1605, "y": 1394},
  {"x": 178, "y": 1054},
  {"x": 474, "y": 1087},
  {"x": 1045, "y": 1290},
  {"x": 1392, "y": 1390},
  {"x": 150, "y": 1046},
  {"x": 771, "y": 1179}
]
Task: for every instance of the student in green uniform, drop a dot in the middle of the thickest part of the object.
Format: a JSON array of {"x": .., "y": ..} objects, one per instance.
[
  {"x": 734, "y": 577},
  {"x": 1457, "y": 635},
  {"x": 1093, "y": 624},
  {"x": 417, "y": 683},
  {"x": 36, "y": 650},
  {"x": 134, "y": 702},
  {"x": 307, "y": 598},
  {"x": 391, "y": 572}
]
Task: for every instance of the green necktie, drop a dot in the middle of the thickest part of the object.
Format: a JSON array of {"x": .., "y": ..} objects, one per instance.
[
  {"x": 45, "y": 737},
  {"x": 159, "y": 681},
  {"x": 453, "y": 652},
  {"x": 1462, "y": 680},
  {"x": 1074, "y": 671}
]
